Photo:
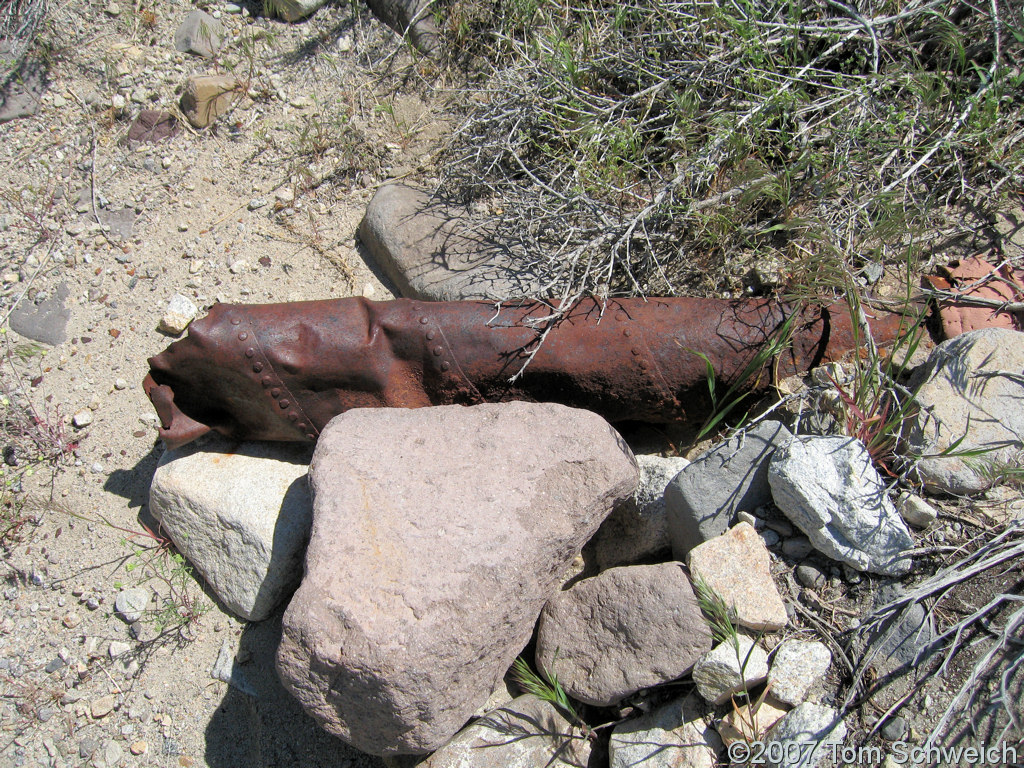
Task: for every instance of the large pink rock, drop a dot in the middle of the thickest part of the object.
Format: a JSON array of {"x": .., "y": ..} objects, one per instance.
[{"x": 438, "y": 535}]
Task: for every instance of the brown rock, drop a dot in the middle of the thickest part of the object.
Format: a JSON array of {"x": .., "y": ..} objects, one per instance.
[
  {"x": 625, "y": 629},
  {"x": 207, "y": 97},
  {"x": 736, "y": 565},
  {"x": 438, "y": 535}
]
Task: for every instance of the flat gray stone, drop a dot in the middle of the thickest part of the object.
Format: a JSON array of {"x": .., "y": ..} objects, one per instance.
[
  {"x": 22, "y": 92},
  {"x": 432, "y": 250},
  {"x": 240, "y": 512},
  {"x": 121, "y": 222},
  {"x": 828, "y": 487},
  {"x": 200, "y": 34},
  {"x": 436, "y": 541},
  {"x": 703, "y": 500},
  {"x": 47, "y": 321},
  {"x": 805, "y": 735},
  {"x": 896, "y": 641},
  {"x": 637, "y": 529},
  {"x": 796, "y": 667},
  {"x": 972, "y": 387},
  {"x": 673, "y": 736},
  {"x": 525, "y": 733},
  {"x": 625, "y": 629}
]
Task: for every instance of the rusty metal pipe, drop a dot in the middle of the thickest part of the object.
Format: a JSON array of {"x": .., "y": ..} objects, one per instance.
[{"x": 282, "y": 371}]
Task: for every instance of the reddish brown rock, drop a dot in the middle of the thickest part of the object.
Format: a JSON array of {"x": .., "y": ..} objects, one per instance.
[
  {"x": 625, "y": 629},
  {"x": 438, "y": 535}
]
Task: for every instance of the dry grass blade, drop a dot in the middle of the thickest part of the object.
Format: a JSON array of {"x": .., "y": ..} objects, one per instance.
[{"x": 1006, "y": 547}]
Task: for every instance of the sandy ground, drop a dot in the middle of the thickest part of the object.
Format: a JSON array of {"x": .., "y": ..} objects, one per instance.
[{"x": 333, "y": 106}]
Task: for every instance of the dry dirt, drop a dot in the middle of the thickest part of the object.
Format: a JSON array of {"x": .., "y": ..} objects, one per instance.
[{"x": 334, "y": 106}]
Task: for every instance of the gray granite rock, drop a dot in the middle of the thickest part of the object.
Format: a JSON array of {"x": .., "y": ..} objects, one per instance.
[
  {"x": 828, "y": 487},
  {"x": 432, "y": 250},
  {"x": 637, "y": 529},
  {"x": 296, "y": 10},
  {"x": 525, "y": 733},
  {"x": 46, "y": 321},
  {"x": 241, "y": 514},
  {"x": 623, "y": 630},
  {"x": 414, "y": 18},
  {"x": 675, "y": 735},
  {"x": 737, "y": 567},
  {"x": 200, "y": 34},
  {"x": 22, "y": 92},
  {"x": 729, "y": 669},
  {"x": 915, "y": 510},
  {"x": 804, "y": 736},
  {"x": 453, "y": 539},
  {"x": 704, "y": 498},
  {"x": 796, "y": 666},
  {"x": 970, "y": 388}
]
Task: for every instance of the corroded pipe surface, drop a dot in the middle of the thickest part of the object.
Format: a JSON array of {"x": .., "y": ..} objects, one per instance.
[{"x": 282, "y": 371}]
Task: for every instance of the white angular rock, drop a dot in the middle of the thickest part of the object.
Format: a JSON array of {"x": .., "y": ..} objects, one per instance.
[
  {"x": 727, "y": 669},
  {"x": 625, "y": 629},
  {"x": 638, "y": 528},
  {"x": 970, "y": 388},
  {"x": 180, "y": 312},
  {"x": 673, "y": 736},
  {"x": 131, "y": 604},
  {"x": 828, "y": 487},
  {"x": 241, "y": 513},
  {"x": 916, "y": 510},
  {"x": 525, "y": 733},
  {"x": 737, "y": 567},
  {"x": 805, "y": 736},
  {"x": 796, "y": 666},
  {"x": 437, "y": 539},
  {"x": 82, "y": 418}
]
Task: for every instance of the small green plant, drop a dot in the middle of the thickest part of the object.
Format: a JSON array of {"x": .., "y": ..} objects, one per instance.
[
  {"x": 546, "y": 688},
  {"x": 747, "y": 379}
]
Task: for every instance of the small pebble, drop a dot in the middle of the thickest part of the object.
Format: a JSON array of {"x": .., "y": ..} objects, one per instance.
[
  {"x": 894, "y": 729},
  {"x": 257, "y": 202},
  {"x": 82, "y": 418},
  {"x": 138, "y": 748},
  {"x": 112, "y": 9},
  {"x": 120, "y": 384},
  {"x": 102, "y": 706},
  {"x": 118, "y": 648}
]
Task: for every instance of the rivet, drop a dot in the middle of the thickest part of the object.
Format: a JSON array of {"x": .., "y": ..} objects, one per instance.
[
  {"x": 250, "y": 352},
  {"x": 267, "y": 381},
  {"x": 620, "y": 316},
  {"x": 423, "y": 321},
  {"x": 275, "y": 393},
  {"x": 438, "y": 351},
  {"x": 295, "y": 417},
  {"x": 311, "y": 436},
  {"x": 235, "y": 320},
  {"x": 284, "y": 403},
  {"x": 257, "y": 366},
  {"x": 431, "y": 335},
  {"x": 243, "y": 336},
  {"x": 627, "y": 333},
  {"x": 303, "y": 426},
  {"x": 635, "y": 351},
  {"x": 445, "y": 365}
]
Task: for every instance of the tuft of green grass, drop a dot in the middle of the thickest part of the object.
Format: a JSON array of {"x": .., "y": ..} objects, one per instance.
[{"x": 546, "y": 688}]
